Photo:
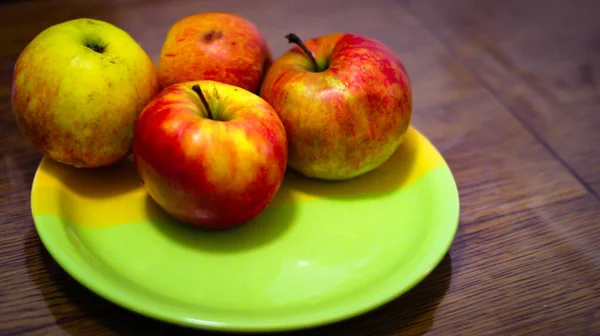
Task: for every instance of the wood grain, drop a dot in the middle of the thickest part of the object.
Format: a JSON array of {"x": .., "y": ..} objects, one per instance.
[
  {"x": 541, "y": 58},
  {"x": 526, "y": 258}
]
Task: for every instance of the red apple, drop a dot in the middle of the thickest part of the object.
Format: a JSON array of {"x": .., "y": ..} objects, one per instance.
[
  {"x": 214, "y": 46},
  {"x": 345, "y": 101},
  {"x": 211, "y": 154}
]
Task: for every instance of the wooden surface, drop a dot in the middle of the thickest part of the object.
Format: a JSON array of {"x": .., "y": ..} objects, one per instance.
[{"x": 507, "y": 90}]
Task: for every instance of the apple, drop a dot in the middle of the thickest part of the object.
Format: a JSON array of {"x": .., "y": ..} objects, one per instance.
[
  {"x": 211, "y": 154},
  {"x": 345, "y": 101},
  {"x": 217, "y": 46},
  {"x": 77, "y": 90}
]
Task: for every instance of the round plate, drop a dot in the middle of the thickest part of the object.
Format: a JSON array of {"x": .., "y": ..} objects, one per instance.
[{"x": 320, "y": 253}]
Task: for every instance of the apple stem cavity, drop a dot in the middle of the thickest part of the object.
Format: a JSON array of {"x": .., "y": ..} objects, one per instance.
[
  {"x": 293, "y": 38},
  {"x": 95, "y": 47},
  {"x": 196, "y": 89}
]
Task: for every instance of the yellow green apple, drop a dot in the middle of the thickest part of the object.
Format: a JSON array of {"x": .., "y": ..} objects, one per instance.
[{"x": 77, "y": 90}]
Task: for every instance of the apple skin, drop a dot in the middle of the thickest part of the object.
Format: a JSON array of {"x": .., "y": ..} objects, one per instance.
[
  {"x": 349, "y": 117},
  {"x": 215, "y": 46},
  {"x": 76, "y": 105},
  {"x": 212, "y": 173}
]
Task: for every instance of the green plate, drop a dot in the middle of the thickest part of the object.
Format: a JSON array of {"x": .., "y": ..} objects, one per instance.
[{"x": 320, "y": 253}]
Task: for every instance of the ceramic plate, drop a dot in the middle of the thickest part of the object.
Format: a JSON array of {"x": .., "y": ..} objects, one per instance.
[{"x": 320, "y": 253}]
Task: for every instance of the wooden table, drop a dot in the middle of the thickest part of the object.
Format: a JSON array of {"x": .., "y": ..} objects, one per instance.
[{"x": 507, "y": 90}]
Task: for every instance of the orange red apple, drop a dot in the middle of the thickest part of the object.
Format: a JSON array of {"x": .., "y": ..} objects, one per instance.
[{"x": 215, "y": 46}]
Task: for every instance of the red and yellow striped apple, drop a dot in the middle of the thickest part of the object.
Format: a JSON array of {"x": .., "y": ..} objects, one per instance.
[
  {"x": 211, "y": 154},
  {"x": 78, "y": 88},
  {"x": 345, "y": 101},
  {"x": 215, "y": 46}
]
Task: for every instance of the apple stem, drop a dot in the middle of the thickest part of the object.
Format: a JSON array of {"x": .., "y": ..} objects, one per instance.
[
  {"x": 196, "y": 89},
  {"x": 293, "y": 38}
]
